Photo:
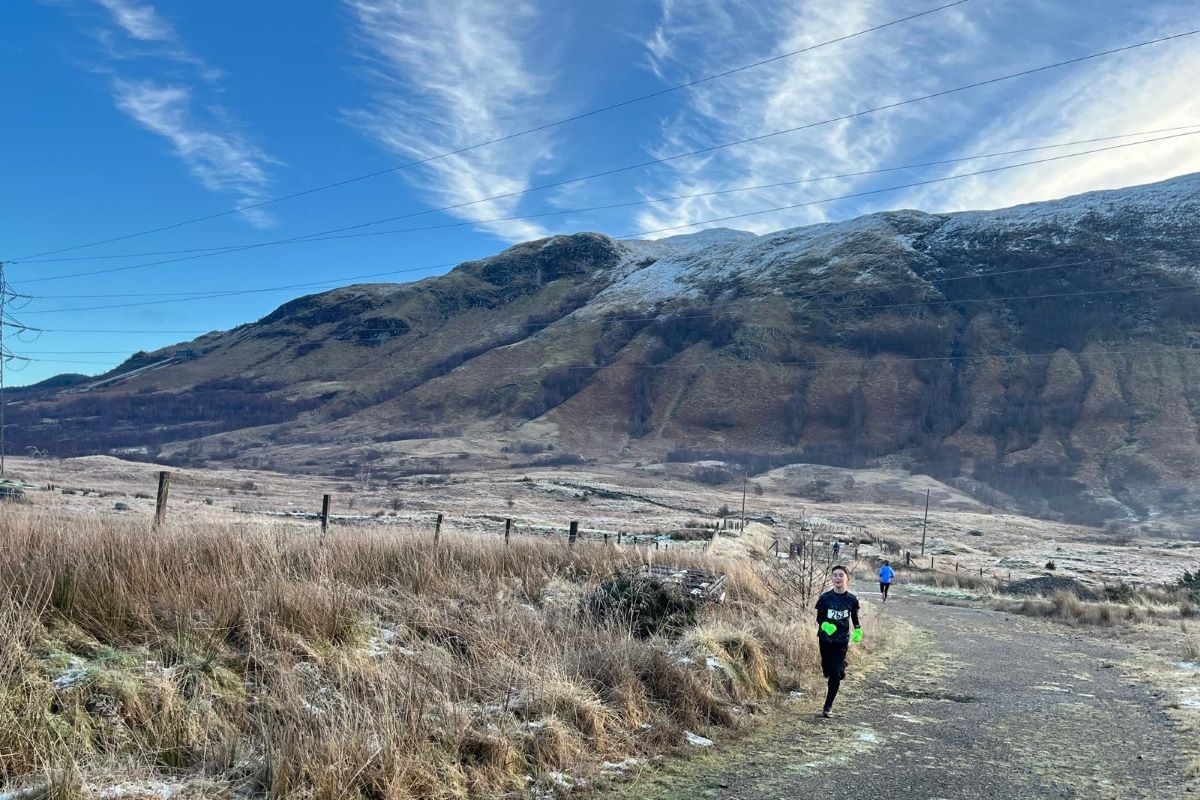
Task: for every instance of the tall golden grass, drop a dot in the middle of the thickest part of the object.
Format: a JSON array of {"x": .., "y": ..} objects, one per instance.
[{"x": 375, "y": 664}]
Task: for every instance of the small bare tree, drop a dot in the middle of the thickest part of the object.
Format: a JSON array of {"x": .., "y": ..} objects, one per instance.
[{"x": 805, "y": 573}]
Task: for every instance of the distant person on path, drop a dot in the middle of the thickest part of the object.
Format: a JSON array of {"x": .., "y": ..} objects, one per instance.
[
  {"x": 886, "y": 573},
  {"x": 836, "y": 610},
  {"x": 837, "y": 548}
]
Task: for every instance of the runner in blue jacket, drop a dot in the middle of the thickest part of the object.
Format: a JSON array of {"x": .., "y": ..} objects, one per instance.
[{"x": 885, "y": 579}]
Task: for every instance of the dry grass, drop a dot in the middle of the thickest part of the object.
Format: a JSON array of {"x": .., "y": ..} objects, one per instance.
[
  {"x": 375, "y": 665},
  {"x": 954, "y": 580},
  {"x": 1068, "y": 607}
]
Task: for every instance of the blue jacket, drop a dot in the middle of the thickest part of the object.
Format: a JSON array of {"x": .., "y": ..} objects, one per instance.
[{"x": 886, "y": 574}]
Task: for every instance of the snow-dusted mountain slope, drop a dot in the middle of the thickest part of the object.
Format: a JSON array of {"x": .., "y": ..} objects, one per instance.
[{"x": 1047, "y": 354}]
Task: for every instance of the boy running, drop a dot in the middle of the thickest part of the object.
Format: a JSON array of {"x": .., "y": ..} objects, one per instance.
[
  {"x": 885, "y": 579},
  {"x": 836, "y": 610}
]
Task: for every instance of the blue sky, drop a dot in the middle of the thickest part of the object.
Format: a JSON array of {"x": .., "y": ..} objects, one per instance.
[{"x": 126, "y": 115}]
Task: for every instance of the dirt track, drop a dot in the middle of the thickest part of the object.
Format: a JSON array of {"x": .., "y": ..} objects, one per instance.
[{"x": 981, "y": 705}]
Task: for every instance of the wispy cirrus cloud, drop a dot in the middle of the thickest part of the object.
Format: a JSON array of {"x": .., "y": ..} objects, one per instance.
[
  {"x": 216, "y": 154},
  {"x": 446, "y": 74},
  {"x": 1141, "y": 90},
  {"x": 139, "y": 20},
  {"x": 821, "y": 84},
  {"x": 1144, "y": 90},
  {"x": 165, "y": 88}
]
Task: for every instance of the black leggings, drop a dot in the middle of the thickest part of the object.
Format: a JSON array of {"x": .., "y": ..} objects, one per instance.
[
  {"x": 833, "y": 665},
  {"x": 883, "y": 589},
  {"x": 831, "y": 692}
]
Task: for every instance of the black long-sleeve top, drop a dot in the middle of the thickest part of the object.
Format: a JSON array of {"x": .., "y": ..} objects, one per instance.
[{"x": 841, "y": 610}]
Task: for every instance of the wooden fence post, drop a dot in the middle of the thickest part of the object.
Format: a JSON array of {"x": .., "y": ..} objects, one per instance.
[
  {"x": 160, "y": 505},
  {"x": 437, "y": 528},
  {"x": 507, "y": 528},
  {"x": 619, "y": 536},
  {"x": 325, "y": 503},
  {"x": 573, "y": 533},
  {"x": 931, "y": 562},
  {"x": 908, "y": 558}
]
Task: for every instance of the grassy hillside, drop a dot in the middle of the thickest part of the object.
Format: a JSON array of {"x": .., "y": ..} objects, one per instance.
[{"x": 208, "y": 659}]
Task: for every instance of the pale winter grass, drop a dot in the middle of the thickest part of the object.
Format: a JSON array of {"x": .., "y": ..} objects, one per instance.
[
  {"x": 1155, "y": 608},
  {"x": 374, "y": 665}
]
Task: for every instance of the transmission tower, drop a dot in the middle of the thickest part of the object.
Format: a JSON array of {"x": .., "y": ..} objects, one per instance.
[{"x": 8, "y": 324}]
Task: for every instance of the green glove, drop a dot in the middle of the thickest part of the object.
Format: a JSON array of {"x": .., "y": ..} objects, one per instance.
[
  {"x": 829, "y": 628},
  {"x": 857, "y": 635}
]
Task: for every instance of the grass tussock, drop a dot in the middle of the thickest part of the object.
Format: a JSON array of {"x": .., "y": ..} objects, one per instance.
[{"x": 374, "y": 665}]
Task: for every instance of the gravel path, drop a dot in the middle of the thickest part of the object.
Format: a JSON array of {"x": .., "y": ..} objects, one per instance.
[{"x": 980, "y": 705}]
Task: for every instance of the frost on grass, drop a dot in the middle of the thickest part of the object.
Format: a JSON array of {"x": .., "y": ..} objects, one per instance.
[{"x": 73, "y": 676}]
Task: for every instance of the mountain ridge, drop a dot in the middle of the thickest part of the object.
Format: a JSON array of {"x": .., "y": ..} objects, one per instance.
[{"x": 1038, "y": 355}]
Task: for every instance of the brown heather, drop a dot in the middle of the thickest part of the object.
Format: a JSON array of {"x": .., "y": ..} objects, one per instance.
[{"x": 242, "y": 658}]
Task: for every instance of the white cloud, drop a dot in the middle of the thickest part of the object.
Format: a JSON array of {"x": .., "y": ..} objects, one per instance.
[
  {"x": 711, "y": 36},
  {"x": 220, "y": 158},
  {"x": 1151, "y": 89},
  {"x": 139, "y": 20},
  {"x": 182, "y": 109},
  {"x": 448, "y": 74},
  {"x": 1144, "y": 89}
]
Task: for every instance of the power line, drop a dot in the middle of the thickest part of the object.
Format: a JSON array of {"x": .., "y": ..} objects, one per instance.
[
  {"x": 653, "y": 162},
  {"x": 319, "y": 237},
  {"x": 202, "y": 295},
  {"x": 140, "y": 330},
  {"x": 772, "y": 209},
  {"x": 61, "y": 361},
  {"x": 854, "y": 195},
  {"x": 800, "y": 363},
  {"x": 385, "y": 356},
  {"x": 713, "y": 193},
  {"x": 807, "y": 363},
  {"x": 506, "y": 137},
  {"x": 1173, "y": 349}
]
